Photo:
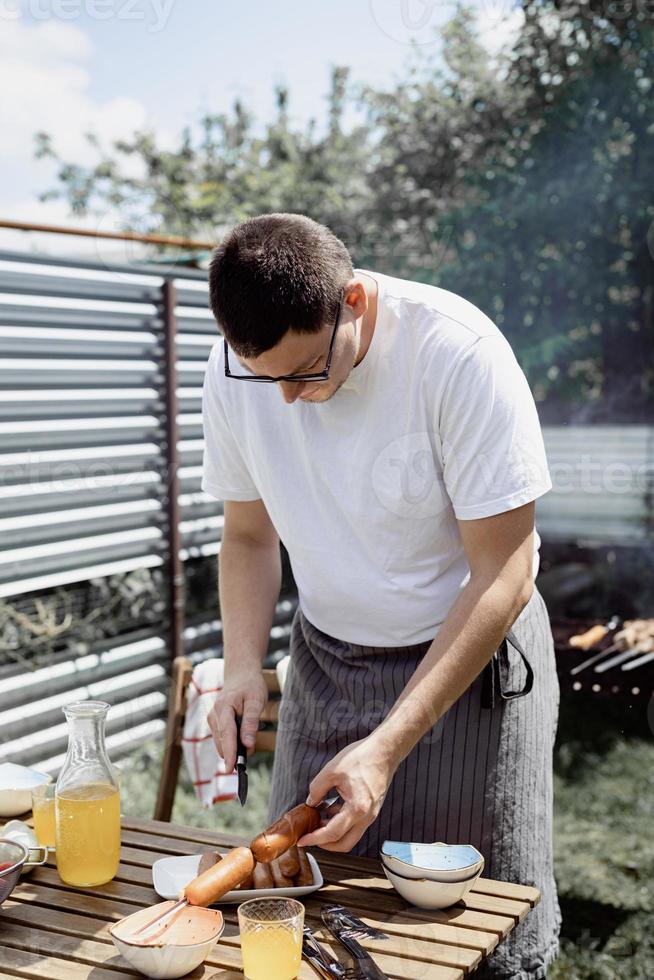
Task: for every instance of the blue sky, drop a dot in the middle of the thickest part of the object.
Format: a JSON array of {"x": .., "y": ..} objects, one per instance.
[{"x": 115, "y": 65}]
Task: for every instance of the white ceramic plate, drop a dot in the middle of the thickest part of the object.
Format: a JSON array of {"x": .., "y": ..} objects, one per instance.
[{"x": 171, "y": 875}]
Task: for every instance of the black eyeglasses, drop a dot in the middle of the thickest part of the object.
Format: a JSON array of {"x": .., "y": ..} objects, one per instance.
[{"x": 268, "y": 379}]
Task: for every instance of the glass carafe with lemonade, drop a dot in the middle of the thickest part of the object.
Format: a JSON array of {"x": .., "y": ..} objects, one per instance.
[{"x": 87, "y": 801}]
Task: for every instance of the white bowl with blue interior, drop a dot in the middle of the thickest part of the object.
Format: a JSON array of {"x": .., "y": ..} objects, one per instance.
[{"x": 433, "y": 862}]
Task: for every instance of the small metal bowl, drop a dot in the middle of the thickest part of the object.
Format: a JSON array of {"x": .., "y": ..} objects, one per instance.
[{"x": 16, "y": 856}]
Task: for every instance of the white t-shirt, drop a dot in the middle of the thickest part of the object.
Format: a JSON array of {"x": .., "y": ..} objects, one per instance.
[{"x": 436, "y": 423}]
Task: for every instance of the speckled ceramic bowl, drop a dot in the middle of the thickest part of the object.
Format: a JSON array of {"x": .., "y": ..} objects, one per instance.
[
  {"x": 427, "y": 894},
  {"x": 436, "y": 862},
  {"x": 165, "y": 960}
]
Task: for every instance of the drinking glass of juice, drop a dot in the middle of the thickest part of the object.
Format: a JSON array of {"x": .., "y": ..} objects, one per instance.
[
  {"x": 271, "y": 938},
  {"x": 43, "y": 810},
  {"x": 87, "y": 801}
]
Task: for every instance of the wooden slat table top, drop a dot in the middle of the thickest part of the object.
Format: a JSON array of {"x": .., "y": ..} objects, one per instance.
[{"x": 50, "y": 931}]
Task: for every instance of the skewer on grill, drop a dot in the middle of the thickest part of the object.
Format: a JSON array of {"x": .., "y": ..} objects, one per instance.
[
  {"x": 645, "y": 647},
  {"x": 628, "y": 641},
  {"x": 640, "y": 662},
  {"x": 597, "y": 656}
]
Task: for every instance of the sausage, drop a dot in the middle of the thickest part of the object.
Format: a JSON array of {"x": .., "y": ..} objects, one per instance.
[
  {"x": 224, "y": 876},
  {"x": 289, "y": 863},
  {"x": 262, "y": 876},
  {"x": 285, "y": 832},
  {"x": 279, "y": 878},
  {"x": 247, "y": 883},
  {"x": 208, "y": 859},
  {"x": 305, "y": 874},
  {"x": 585, "y": 641}
]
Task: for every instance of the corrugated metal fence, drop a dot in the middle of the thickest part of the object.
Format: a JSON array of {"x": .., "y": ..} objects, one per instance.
[
  {"x": 86, "y": 463},
  {"x": 603, "y": 477},
  {"x": 85, "y": 469}
]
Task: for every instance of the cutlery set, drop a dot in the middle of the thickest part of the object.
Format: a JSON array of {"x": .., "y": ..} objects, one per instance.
[{"x": 348, "y": 929}]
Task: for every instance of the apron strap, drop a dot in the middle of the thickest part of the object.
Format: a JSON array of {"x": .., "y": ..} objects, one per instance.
[{"x": 492, "y": 684}]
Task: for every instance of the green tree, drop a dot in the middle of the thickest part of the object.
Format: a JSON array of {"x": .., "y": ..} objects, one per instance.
[
  {"x": 226, "y": 169},
  {"x": 522, "y": 181},
  {"x": 525, "y": 184}
]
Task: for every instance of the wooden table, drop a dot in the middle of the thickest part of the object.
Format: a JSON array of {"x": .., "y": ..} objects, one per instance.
[{"x": 54, "y": 932}]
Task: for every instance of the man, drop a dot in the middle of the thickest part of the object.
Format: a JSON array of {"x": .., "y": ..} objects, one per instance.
[{"x": 399, "y": 468}]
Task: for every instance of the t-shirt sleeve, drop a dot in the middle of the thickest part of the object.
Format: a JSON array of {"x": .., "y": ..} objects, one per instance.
[
  {"x": 225, "y": 474},
  {"x": 491, "y": 442}
]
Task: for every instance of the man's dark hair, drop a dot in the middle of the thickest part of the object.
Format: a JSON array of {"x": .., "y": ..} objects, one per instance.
[{"x": 275, "y": 273}]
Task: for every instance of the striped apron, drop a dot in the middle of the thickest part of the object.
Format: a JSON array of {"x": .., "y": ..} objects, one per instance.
[{"x": 482, "y": 775}]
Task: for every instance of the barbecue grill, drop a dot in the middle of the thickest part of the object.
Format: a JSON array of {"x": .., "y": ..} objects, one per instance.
[{"x": 614, "y": 658}]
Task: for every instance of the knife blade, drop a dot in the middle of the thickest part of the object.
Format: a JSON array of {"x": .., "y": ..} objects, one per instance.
[{"x": 241, "y": 764}]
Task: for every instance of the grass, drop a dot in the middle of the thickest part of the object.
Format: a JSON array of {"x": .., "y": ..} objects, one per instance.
[
  {"x": 604, "y": 842},
  {"x": 604, "y": 833}
]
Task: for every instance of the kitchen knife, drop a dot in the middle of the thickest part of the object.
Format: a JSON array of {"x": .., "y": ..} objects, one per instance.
[{"x": 241, "y": 764}]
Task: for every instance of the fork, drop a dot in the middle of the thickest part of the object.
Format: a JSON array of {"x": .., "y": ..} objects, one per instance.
[
  {"x": 323, "y": 962},
  {"x": 351, "y": 926}
]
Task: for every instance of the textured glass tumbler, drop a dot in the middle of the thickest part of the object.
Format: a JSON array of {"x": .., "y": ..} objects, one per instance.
[
  {"x": 271, "y": 938},
  {"x": 43, "y": 811}
]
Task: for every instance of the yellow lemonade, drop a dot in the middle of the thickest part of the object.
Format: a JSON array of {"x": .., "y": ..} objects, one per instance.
[
  {"x": 271, "y": 953},
  {"x": 88, "y": 834},
  {"x": 44, "y": 820}
]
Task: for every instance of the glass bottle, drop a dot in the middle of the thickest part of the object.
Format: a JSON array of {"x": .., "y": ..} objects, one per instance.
[{"x": 87, "y": 801}]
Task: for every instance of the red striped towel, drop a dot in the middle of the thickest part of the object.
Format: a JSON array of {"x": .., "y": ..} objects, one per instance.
[{"x": 207, "y": 769}]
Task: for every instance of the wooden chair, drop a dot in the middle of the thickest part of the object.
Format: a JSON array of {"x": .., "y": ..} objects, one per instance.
[{"x": 181, "y": 678}]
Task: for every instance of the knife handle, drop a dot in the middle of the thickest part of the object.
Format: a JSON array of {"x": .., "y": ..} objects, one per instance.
[
  {"x": 241, "y": 751},
  {"x": 365, "y": 963}
]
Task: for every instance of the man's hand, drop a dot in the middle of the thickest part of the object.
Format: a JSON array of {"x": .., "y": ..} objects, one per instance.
[
  {"x": 244, "y": 695},
  {"x": 361, "y": 773}
]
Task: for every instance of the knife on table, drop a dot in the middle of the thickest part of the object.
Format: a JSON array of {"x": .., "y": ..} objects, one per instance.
[{"x": 241, "y": 764}]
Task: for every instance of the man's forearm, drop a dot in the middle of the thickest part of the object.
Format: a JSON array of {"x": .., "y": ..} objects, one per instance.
[
  {"x": 249, "y": 577},
  {"x": 475, "y": 626}
]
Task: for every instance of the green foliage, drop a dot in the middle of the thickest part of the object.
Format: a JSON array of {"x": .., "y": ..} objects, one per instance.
[
  {"x": 522, "y": 181},
  {"x": 225, "y": 170},
  {"x": 604, "y": 842}
]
